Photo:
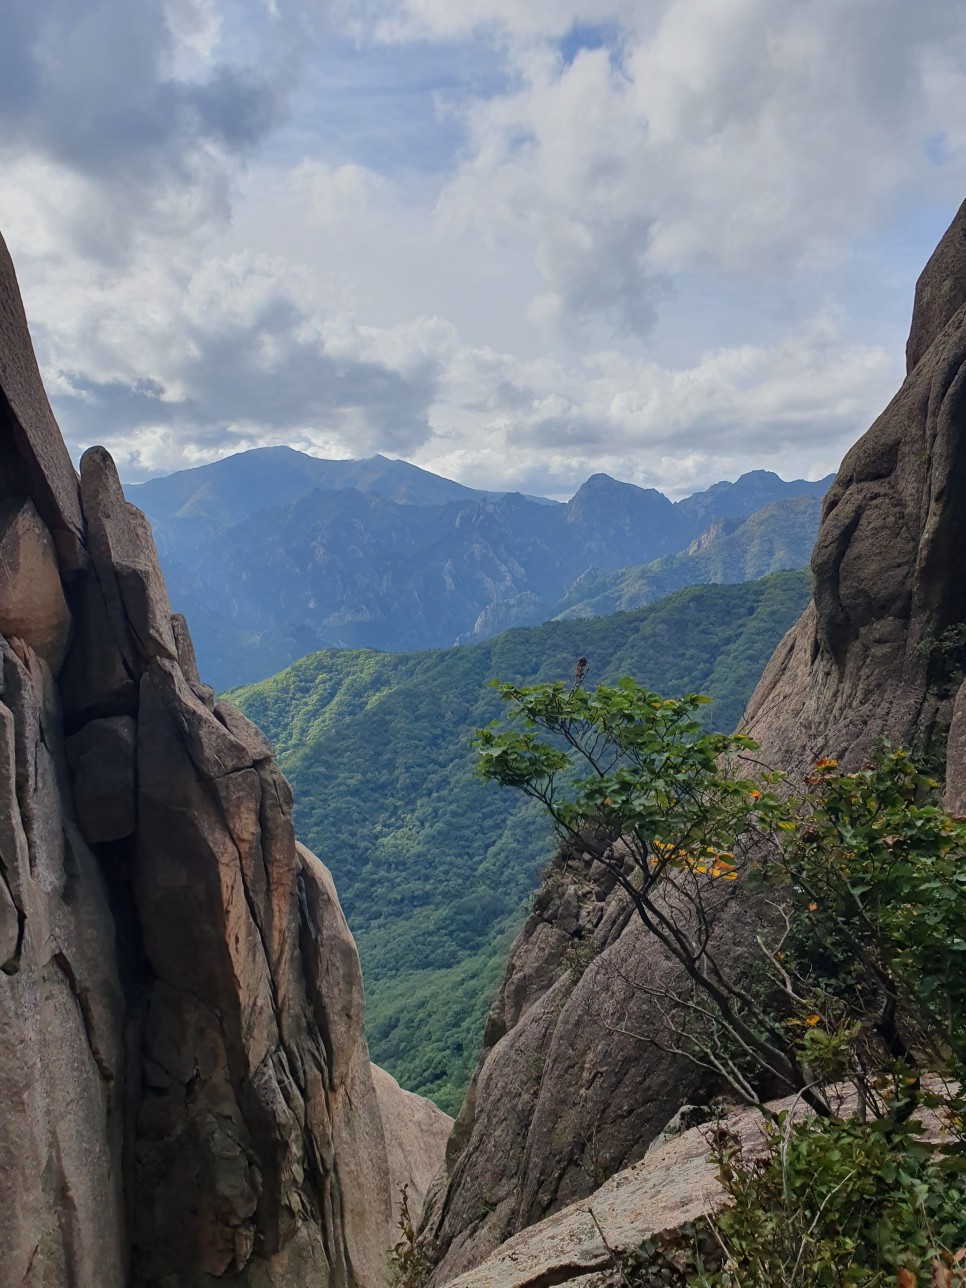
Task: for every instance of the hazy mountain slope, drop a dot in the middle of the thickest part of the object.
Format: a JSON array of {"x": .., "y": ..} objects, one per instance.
[
  {"x": 191, "y": 506},
  {"x": 432, "y": 865},
  {"x": 751, "y": 492},
  {"x": 273, "y": 553},
  {"x": 361, "y": 571},
  {"x": 779, "y": 536},
  {"x": 348, "y": 568}
]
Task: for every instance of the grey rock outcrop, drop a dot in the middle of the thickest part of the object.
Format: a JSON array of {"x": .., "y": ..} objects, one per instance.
[
  {"x": 666, "y": 1199},
  {"x": 185, "y": 1091},
  {"x": 416, "y": 1136},
  {"x": 103, "y": 762},
  {"x": 672, "y": 1186},
  {"x": 32, "y": 603},
  {"x": 880, "y": 650}
]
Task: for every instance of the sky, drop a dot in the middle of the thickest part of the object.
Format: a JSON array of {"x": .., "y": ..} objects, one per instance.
[{"x": 513, "y": 241}]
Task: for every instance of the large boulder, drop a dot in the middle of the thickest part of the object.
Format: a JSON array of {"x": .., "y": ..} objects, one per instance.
[
  {"x": 659, "y": 1211},
  {"x": 575, "y": 1080}
]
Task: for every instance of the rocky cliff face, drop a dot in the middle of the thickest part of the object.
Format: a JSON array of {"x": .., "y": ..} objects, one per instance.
[
  {"x": 185, "y": 1091},
  {"x": 572, "y": 1084},
  {"x": 880, "y": 651}
]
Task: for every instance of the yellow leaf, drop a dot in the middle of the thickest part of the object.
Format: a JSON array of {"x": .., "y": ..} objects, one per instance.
[
  {"x": 812, "y": 907},
  {"x": 812, "y": 1020}
]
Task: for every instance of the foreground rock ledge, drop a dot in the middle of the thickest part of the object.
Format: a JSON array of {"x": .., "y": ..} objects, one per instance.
[{"x": 674, "y": 1186}]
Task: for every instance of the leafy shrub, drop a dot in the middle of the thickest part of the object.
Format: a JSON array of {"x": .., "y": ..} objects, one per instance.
[
  {"x": 410, "y": 1262},
  {"x": 838, "y": 1204},
  {"x": 864, "y": 979}
]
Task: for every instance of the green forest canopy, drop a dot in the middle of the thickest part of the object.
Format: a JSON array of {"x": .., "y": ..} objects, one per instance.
[{"x": 433, "y": 866}]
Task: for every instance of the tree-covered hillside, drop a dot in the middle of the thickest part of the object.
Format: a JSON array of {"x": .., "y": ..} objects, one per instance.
[{"x": 433, "y": 866}]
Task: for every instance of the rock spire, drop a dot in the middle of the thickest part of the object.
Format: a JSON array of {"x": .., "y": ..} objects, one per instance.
[{"x": 185, "y": 1091}]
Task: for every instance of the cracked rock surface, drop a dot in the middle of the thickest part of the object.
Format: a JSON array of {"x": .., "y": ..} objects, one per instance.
[
  {"x": 880, "y": 649},
  {"x": 186, "y": 1097}
]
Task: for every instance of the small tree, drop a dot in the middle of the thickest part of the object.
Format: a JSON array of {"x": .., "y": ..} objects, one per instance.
[
  {"x": 636, "y": 781},
  {"x": 409, "y": 1260}
]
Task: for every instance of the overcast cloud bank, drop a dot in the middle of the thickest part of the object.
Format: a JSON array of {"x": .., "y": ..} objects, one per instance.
[{"x": 514, "y": 241}]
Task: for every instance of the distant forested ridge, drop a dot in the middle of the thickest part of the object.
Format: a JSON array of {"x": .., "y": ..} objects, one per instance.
[
  {"x": 433, "y": 866},
  {"x": 272, "y": 554}
]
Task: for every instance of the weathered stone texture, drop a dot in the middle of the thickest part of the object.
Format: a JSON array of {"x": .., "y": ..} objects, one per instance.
[
  {"x": 103, "y": 761},
  {"x": 125, "y": 563},
  {"x": 876, "y": 653},
  {"x": 32, "y": 604},
  {"x": 410, "y": 1122},
  {"x": 34, "y": 460},
  {"x": 675, "y": 1185},
  {"x": 185, "y": 1091},
  {"x": 60, "y": 1014},
  {"x": 570, "y": 1087}
]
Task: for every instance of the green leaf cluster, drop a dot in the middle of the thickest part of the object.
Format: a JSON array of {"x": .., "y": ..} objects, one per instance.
[
  {"x": 879, "y": 874},
  {"x": 837, "y": 1204}
]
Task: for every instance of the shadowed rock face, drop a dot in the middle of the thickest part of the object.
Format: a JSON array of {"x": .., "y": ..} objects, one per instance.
[
  {"x": 564, "y": 1096},
  {"x": 565, "y": 1093},
  {"x": 879, "y": 651},
  {"x": 185, "y": 1091}
]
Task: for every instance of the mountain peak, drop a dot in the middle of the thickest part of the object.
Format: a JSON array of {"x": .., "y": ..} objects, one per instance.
[{"x": 601, "y": 484}]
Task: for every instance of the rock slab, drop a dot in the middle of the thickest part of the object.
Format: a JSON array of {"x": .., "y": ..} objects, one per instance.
[{"x": 880, "y": 650}]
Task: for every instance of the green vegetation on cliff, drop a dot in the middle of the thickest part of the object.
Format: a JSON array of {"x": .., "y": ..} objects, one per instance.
[{"x": 433, "y": 865}]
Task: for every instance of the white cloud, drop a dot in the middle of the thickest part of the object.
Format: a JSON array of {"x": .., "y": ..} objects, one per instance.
[
  {"x": 737, "y": 137},
  {"x": 654, "y": 246},
  {"x": 787, "y": 406},
  {"x": 409, "y": 20}
]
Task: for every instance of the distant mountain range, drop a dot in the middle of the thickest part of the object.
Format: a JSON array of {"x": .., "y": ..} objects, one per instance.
[
  {"x": 193, "y": 505},
  {"x": 730, "y": 550},
  {"x": 273, "y": 554}
]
